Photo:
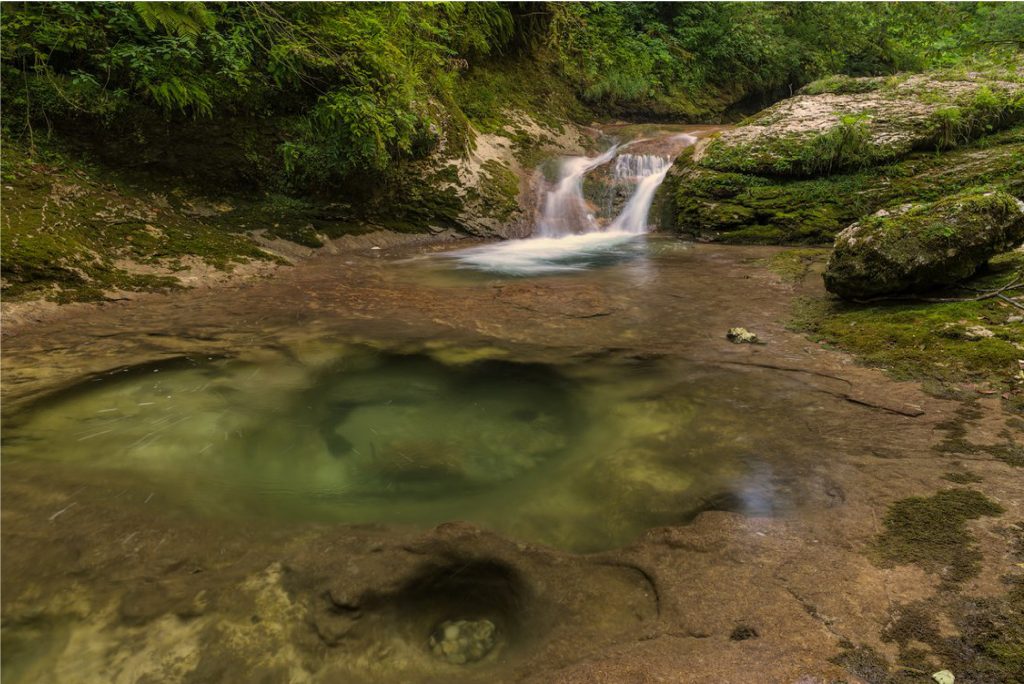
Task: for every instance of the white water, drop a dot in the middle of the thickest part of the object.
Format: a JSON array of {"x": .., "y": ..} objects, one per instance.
[
  {"x": 568, "y": 235},
  {"x": 565, "y": 210},
  {"x": 648, "y": 171}
]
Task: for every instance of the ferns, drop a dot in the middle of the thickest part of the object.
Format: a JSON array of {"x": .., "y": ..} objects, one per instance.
[
  {"x": 355, "y": 88},
  {"x": 184, "y": 19}
]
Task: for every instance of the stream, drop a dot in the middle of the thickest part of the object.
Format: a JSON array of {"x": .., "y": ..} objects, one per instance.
[{"x": 549, "y": 441}]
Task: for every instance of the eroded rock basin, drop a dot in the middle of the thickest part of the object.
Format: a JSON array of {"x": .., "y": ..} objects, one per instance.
[{"x": 318, "y": 478}]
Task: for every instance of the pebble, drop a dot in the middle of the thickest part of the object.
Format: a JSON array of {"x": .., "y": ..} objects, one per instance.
[
  {"x": 462, "y": 641},
  {"x": 741, "y": 336}
]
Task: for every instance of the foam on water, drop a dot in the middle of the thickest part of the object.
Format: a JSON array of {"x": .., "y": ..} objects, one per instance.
[
  {"x": 542, "y": 255},
  {"x": 568, "y": 236}
]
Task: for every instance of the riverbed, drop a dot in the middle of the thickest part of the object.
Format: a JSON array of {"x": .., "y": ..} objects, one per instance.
[{"x": 300, "y": 479}]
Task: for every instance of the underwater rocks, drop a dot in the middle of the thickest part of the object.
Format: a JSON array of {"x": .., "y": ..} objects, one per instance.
[
  {"x": 913, "y": 248},
  {"x": 462, "y": 641}
]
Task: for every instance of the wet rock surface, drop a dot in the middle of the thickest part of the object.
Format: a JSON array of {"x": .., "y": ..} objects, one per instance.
[
  {"x": 107, "y": 578},
  {"x": 914, "y": 248}
]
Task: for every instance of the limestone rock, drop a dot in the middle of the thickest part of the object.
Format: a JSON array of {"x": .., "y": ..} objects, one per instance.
[
  {"x": 914, "y": 248},
  {"x": 741, "y": 336},
  {"x": 837, "y": 124}
]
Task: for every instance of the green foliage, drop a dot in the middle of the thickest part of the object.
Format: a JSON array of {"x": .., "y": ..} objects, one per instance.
[
  {"x": 840, "y": 84},
  {"x": 973, "y": 116},
  {"x": 351, "y": 90}
]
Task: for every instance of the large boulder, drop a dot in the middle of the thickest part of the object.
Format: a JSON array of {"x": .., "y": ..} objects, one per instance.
[
  {"x": 840, "y": 123},
  {"x": 917, "y": 247}
]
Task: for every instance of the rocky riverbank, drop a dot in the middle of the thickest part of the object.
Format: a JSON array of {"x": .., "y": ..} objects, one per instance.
[{"x": 108, "y": 574}]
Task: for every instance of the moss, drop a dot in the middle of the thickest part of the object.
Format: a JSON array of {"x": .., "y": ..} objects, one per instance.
[
  {"x": 793, "y": 265},
  {"x": 491, "y": 95},
  {"x": 930, "y": 532},
  {"x": 67, "y": 229},
  {"x": 987, "y": 646},
  {"x": 974, "y": 115},
  {"x": 867, "y": 664},
  {"x": 845, "y": 145},
  {"x": 839, "y": 84},
  {"x": 918, "y": 247},
  {"x": 499, "y": 190},
  {"x": 926, "y": 340},
  {"x": 735, "y": 207},
  {"x": 857, "y": 132},
  {"x": 962, "y": 477}
]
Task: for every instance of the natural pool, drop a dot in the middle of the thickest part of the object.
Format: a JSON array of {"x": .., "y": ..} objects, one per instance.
[{"x": 583, "y": 455}]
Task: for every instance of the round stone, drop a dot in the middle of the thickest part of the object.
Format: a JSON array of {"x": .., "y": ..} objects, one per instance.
[{"x": 462, "y": 641}]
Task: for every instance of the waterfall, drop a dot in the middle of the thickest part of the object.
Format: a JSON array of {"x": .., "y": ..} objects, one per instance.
[
  {"x": 568, "y": 236},
  {"x": 565, "y": 210},
  {"x": 647, "y": 171}
]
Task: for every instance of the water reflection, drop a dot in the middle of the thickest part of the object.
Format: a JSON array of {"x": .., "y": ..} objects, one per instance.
[{"x": 579, "y": 455}]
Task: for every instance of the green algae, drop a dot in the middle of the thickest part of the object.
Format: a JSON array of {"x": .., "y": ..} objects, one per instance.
[{"x": 930, "y": 532}]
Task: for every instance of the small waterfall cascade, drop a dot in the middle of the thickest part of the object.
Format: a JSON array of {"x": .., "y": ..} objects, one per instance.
[
  {"x": 564, "y": 210},
  {"x": 646, "y": 172},
  {"x": 571, "y": 231}
]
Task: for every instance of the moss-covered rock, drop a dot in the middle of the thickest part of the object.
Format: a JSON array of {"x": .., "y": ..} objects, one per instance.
[
  {"x": 745, "y": 208},
  {"x": 840, "y": 124},
  {"x": 914, "y": 248}
]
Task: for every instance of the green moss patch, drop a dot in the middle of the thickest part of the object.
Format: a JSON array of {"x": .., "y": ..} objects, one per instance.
[
  {"x": 919, "y": 247},
  {"x": 930, "y": 532},
  {"x": 988, "y": 645},
  {"x": 962, "y": 477},
  {"x": 935, "y": 342},
  {"x": 793, "y": 265},
  {"x": 745, "y": 208}
]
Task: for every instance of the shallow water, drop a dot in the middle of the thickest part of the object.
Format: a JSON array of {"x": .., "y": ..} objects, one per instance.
[{"x": 582, "y": 455}]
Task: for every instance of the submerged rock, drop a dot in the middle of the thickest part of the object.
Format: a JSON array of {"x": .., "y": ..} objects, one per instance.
[
  {"x": 913, "y": 248},
  {"x": 462, "y": 641}
]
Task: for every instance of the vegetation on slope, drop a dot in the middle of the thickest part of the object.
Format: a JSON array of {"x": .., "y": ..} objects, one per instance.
[
  {"x": 327, "y": 116},
  {"x": 343, "y": 91}
]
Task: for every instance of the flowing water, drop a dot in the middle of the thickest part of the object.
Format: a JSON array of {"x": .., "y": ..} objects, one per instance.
[{"x": 571, "y": 232}]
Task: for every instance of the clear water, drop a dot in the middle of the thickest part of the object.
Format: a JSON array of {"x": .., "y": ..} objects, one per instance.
[{"x": 580, "y": 455}]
